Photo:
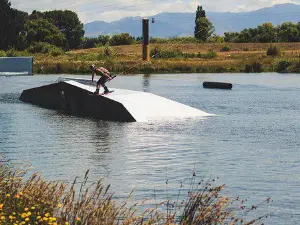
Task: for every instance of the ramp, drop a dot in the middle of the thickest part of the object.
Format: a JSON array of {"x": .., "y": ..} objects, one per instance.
[{"x": 122, "y": 105}]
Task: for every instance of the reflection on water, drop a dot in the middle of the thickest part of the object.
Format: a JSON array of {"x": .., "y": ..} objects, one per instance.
[
  {"x": 146, "y": 82},
  {"x": 252, "y": 145}
]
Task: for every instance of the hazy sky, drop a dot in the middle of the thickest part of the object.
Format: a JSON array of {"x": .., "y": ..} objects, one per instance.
[{"x": 110, "y": 10}]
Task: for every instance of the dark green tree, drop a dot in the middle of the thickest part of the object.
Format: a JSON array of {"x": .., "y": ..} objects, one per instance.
[
  {"x": 289, "y": 32},
  {"x": 11, "y": 24},
  {"x": 266, "y": 33},
  {"x": 40, "y": 30},
  {"x": 69, "y": 24},
  {"x": 203, "y": 27}
]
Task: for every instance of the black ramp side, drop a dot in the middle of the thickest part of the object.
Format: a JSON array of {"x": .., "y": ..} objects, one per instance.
[{"x": 76, "y": 101}]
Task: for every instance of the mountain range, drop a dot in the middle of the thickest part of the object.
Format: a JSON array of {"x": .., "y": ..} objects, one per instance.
[{"x": 182, "y": 24}]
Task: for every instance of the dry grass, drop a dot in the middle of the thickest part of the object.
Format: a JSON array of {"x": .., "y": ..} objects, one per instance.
[
  {"x": 36, "y": 201},
  {"x": 128, "y": 59}
]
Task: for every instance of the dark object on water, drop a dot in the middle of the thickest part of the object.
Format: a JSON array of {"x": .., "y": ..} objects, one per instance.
[{"x": 219, "y": 85}]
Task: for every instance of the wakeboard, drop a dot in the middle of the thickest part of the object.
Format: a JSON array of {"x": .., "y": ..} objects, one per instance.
[{"x": 100, "y": 94}]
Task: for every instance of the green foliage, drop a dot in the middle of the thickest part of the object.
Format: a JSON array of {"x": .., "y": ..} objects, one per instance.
[
  {"x": 216, "y": 39},
  {"x": 289, "y": 32},
  {"x": 121, "y": 39},
  {"x": 95, "y": 42},
  {"x": 273, "y": 51},
  {"x": 11, "y": 24},
  {"x": 45, "y": 48},
  {"x": 103, "y": 39},
  {"x": 2, "y": 53},
  {"x": 282, "y": 66},
  {"x": 203, "y": 27},
  {"x": 265, "y": 33},
  {"x": 69, "y": 25},
  {"x": 40, "y": 30},
  {"x": 226, "y": 48},
  {"x": 12, "y": 52}
]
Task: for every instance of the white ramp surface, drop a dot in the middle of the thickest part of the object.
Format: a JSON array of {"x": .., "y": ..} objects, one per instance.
[{"x": 146, "y": 106}]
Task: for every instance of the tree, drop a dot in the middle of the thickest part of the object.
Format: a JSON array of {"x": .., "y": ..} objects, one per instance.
[
  {"x": 289, "y": 32},
  {"x": 69, "y": 24},
  {"x": 40, "y": 30},
  {"x": 121, "y": 39},
  {"x": 203, "y": 27},
  {"x": 11, "y": 23},
  {"x": 266, "y": 33}
]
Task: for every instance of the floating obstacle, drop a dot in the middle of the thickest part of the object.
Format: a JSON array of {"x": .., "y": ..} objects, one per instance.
[
  {"x": 75, "y": 97},
  {"x": 219, "y": 85}
]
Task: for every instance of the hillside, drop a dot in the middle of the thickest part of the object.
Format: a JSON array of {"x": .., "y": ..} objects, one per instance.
[{"x": 182, "y": 24}]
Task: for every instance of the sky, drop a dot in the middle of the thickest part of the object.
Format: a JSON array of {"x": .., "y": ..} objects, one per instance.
[{"x": 108, "y": 10}]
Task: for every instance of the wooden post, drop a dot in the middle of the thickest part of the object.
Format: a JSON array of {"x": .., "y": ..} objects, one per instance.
[{"x": 146, "y": 46}]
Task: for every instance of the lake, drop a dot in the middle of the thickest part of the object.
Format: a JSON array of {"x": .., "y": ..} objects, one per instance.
[{"x": 252, "y": 144}]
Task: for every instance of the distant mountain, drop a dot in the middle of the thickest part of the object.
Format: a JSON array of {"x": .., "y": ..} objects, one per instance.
[{"x": 182, "y": 24}]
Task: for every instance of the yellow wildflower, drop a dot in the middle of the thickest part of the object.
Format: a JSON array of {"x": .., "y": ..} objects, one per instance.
[
  {"x": 1, "y": 206},
  {"x": 47, "y": 214},
  {"x": 59, "y": 205},
  {"x": 27, "y": 219},
  {"x": 32, "y": 207},
  {"x": 38, "y": 217},
  {"x": 26, "y": 209},
  {"x": 78, "y": 219},
  {"x": 66, "y": 223},
  {"x": 21, "y": 193},
  {"x": 8, "y": 195},
  {"x": 2, "y": 217},
  {"x": 45, "y": 218}
]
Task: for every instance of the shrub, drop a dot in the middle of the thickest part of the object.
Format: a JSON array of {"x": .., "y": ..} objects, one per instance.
[
  {"x": 55, "y": 51},
  {"x": 273, "y": 51},
  {"x": 39, "y": 47},
  {"x": 121, "y": 39},
  {"x": 255, "y": 67},
  {"x": 12, "y": 53},
  {"x": 282, "y": 66},
  {"x": 225, "y": 48},
  {"x": 2, "y": 53},
  {"x": 209, "y": 55}
]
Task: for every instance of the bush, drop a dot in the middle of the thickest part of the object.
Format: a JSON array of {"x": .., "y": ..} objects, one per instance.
[
  {"x": 282, "y": 66},
  {"x": 12, "y": 53},
  {"x": 273, "y": 51},
  {"x": 55, "y": 51},
  {"x": 2, "y": 53},
  {"x": 209, "y": 55},
  {"x": 121, "y": 39},
  {"x": 225, "y": 48},
  {"x": 255, "y": 67}
]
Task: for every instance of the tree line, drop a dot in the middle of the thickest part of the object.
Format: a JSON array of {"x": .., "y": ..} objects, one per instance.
[
  {"x": 21, "y": 30},
  {"x": 63, "y": 29}
]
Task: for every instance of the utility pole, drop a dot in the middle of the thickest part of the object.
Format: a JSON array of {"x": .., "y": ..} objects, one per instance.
[{"x": 146, "y": 46}]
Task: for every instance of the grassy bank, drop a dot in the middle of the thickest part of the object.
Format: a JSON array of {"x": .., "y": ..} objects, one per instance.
[
  {"x": 176, "y": 58},
  {"x": 34, "y": 200}
]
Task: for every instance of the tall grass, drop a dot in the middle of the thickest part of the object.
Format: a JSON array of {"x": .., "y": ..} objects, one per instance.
[{"x": 36, "y": 201}]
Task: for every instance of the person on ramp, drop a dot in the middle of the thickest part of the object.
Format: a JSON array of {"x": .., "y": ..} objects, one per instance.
[{"x": 105, "y": 76}]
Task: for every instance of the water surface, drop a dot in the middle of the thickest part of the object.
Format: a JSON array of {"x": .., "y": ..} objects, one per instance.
[{"x": 252, "y": 144}]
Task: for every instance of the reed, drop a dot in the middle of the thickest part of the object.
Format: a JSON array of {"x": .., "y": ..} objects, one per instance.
[{"x": 34, "y": 200}]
